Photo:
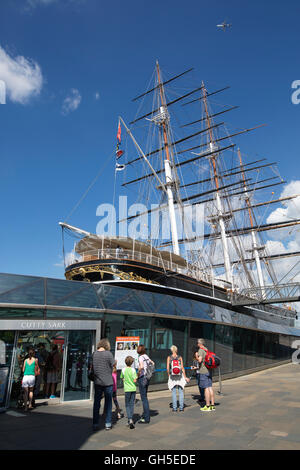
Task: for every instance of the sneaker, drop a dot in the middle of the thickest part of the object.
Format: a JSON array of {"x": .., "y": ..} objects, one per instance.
[
  {"x": 181, "y": 410},
  {"x": 205, "y": 408},
  {"x": 52, "y": 397},
  {"x": 143, "y": 421},
  {"x": 107, "y": 427},
  {"x": 131, "y": 426},
  {"x": 212, "y": 408}
]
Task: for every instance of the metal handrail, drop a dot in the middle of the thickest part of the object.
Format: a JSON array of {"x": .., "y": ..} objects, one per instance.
[{"x": 121, "y": 254}]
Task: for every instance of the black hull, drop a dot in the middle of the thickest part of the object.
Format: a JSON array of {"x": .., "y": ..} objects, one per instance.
[{"x": 135, "y": 274}]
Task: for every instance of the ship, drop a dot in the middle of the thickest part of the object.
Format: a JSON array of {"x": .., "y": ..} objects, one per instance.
[{"x": 207, "y": 202}]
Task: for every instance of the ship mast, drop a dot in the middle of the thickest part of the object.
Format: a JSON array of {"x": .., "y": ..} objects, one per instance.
[
  {"x": 163, "y": 121},
  {"x": 255, "y": 246},
  {"x": 220, "y": 215}
]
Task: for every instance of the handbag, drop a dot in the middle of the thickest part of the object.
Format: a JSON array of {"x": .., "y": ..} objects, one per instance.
[{"x": 37, "y": 369}]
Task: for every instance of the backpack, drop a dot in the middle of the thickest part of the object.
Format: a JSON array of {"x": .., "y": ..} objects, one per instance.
[
  {"x": 175, "y": 367},
  {"x": 211, "y": 360},
  {"x": 150, "y": 368}
]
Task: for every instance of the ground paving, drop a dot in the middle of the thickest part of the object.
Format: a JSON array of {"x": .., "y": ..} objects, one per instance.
[{"x": 255, "y": 412}]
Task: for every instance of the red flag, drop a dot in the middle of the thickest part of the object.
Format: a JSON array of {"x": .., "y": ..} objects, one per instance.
[{"x": 119, "y": 133}]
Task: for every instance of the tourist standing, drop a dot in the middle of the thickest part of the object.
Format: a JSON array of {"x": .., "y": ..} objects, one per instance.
[
  {"x": 205, "y": 378},
  {"x": 177, "y": 378},
  {"x": 53, "y": 366},
  {"x": 29, "y": 370},
  {"x": 129, "y": 377},
  {"x": 114, "y": 395},
  {"x": 196, "y": 367},
  {"x": 103, "y": 362},
  {"x": 143, "y": 381}
]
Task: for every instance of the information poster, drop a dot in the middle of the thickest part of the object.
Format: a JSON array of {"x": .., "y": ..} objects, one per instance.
[{"x": 126, "y": 346}]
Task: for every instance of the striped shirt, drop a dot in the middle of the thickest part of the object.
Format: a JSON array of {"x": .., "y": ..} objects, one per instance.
[{"x": 103, "y": 362}]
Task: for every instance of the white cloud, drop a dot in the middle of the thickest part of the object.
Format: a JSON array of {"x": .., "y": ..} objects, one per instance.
[
  {"x": 71, "y": 102},
  {"x": 32, "y": 4},
  {"x": 23, "y": 77},
  {"x": 70, "y": 258},
  {"x": 291, "y": 209},
  {"x": 97, "y": 95}
]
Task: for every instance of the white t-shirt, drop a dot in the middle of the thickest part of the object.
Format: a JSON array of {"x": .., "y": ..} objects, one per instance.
[{"x": 143, "y": 362}]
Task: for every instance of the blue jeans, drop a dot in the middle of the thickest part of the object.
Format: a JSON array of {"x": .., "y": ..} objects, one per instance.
[
  {"x": 143, "y": 388},
  {"x": 129, "y": 404},
  {"x": 108, "y": 391},
  {"x": 181, "y": 397}
]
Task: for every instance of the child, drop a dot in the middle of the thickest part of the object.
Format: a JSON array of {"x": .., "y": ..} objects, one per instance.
[
  {"x": 129, "y": 377},
  {"x": 114, "y": 376}
]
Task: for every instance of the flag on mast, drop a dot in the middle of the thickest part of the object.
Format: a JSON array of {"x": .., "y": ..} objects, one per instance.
[
  {"x": 119, "y": 152},
  {"x": 120, "y": 167},
  {"x": 119, "y": 133}
]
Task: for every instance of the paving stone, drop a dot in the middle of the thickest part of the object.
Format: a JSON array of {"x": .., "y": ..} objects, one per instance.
[{"x": 260, "y": 411}]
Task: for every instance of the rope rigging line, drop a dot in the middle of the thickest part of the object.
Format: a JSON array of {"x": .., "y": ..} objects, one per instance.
[{"x": 89, "y": 188}]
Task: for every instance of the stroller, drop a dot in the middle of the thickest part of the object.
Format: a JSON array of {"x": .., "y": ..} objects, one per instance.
[{"x": 19, "y": 393}]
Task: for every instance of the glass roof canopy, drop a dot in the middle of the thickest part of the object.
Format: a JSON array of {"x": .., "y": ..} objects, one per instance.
[
  {"x": 33, "y": 296},
  {"x": 30, "y": 290}
]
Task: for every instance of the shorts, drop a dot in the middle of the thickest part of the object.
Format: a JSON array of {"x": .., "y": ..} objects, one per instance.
[
  {"x": 205, "y": 380},
  {"x": 52, "y": 377},
  {"x": 28, "y": 381}
]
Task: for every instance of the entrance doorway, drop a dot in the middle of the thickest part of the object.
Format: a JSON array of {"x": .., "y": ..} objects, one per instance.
[
  {"x": 49, "y": 348},
  {"x": 72, "y": 343}
]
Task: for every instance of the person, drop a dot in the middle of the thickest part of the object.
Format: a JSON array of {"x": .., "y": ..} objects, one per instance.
[
  {"x": 176, "y": 382},
  {"x": 143, "y": 382},
  {"x": 129, "y": 377},
  {"x": 114, "y": 395},
  {"x": 205, "y": 378},
  {"x": 52, "y": 366},
  {"x": 29, "y": 370},
  {"x": 196, "y": 367},
  {"x": 103, "y": 362},
  {"x": 41, "y": 356}
]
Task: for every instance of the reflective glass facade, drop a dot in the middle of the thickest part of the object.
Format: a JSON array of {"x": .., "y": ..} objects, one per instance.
[{"x": 243, "y": 341}]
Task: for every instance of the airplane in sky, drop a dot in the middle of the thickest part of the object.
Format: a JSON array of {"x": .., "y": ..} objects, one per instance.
[{"x": 224, "y": 25}]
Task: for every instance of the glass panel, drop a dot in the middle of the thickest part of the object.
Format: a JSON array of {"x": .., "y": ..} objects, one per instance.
[
  {"x": 17, "y": 291},
  {"x": 165, "y": 333},
  {"x": 224, "y": 347},
  {"x": 71, "y": 294},
  {"x": 6, "y": 350},
  {"x": 120, "y": 298},
  {"x": 11, "y": 313},
  {"x": 238, "y": 362},
  {"x": 77, "y": 384},
  {"x": 260, "y": 349},
  {"x": 268, "y": 348},
  {"x": 49, "y": 381},
  {"x": 127, "y": 325},
  {"x": 201, "y": 310},
  {"x": 250, "y": 348},
  {"x": 74, "y": 314}
]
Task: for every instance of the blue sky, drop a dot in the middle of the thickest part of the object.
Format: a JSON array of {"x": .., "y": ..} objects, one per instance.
[{"x": 79, "y": 48}]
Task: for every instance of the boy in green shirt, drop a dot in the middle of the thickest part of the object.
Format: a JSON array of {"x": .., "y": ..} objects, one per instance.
[{"x": 129, "y": 377}]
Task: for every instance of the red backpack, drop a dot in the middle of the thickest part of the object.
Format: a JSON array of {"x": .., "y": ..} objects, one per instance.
[
  {"x": 211, "y": 360},
  {"x": 175, "y": 367}
]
